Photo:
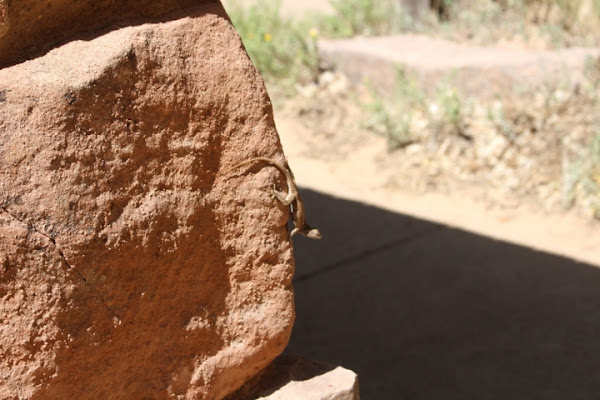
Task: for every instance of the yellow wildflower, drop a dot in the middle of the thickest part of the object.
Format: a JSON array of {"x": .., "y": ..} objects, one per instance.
[{"x": 267, "y": 37}]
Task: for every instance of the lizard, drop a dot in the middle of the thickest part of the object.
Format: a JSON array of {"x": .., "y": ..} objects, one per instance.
[{"x": 291, "y": 198}]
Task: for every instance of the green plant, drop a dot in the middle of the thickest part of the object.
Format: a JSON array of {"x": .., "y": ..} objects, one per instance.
[
  {"x": 451, "y": 108},
  {"x": 565, "y": 14},
  {"x": 592, "y": 70},
  {"x": 581, "y": 164},
  {"x": 392, "y": 118},
  {"x": 448, "y": 110},
  {"x": 365, "y": 17},
  {"x": 582, "y": 178},
  {"x": 282, "y": 49},
  {"x": 553, "y": 23},
  {"x": 396, "y": 129}
]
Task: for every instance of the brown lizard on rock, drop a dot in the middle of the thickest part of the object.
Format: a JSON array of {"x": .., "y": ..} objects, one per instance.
[{"x": 291, "y": 198}]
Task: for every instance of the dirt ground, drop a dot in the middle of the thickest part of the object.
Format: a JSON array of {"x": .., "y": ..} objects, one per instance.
[
  {"x": 357, "y": 165},
  {"x": 450, "y": 292},
  {"x": 431, "y": 296}
]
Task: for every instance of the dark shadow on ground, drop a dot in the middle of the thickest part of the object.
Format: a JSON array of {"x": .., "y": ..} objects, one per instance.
[
  {"x": 424, "y": 311},
  {"x": 285, "y": 369}
]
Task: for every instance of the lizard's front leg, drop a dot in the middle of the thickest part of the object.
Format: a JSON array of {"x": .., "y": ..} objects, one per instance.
[{"x": 285, "y": 198}]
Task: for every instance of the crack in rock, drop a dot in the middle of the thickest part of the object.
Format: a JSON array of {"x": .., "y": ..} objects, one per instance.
[{"x": 32, "y": 228}]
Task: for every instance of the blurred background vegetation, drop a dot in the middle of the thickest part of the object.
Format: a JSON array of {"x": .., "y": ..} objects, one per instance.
[
  {"x": 556, "y": 126},
  {"x": 284, "y": 47}
]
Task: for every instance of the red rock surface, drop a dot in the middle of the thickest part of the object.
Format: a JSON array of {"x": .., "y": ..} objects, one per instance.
[
  {"x": 132, "y": 266},
  {"x": 4, "y": 25},
  {"x": 32, "y": 27}
]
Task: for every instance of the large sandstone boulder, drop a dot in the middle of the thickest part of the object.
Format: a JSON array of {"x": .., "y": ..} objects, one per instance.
[{"x": 132, "y": 264}]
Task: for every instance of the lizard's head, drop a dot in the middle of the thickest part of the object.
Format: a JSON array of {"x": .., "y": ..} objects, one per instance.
[
  {"x": 313, "y": 233},
  {"x": 308, "y": 231}
]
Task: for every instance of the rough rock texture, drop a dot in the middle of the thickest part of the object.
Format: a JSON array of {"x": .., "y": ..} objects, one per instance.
[
  {"x": 293, "y": 377},
  {"x": 132, "y": 264},
  {"x": 29, "y": 28},
  {"x": 3, "y": 18}
]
